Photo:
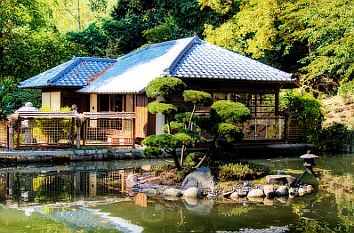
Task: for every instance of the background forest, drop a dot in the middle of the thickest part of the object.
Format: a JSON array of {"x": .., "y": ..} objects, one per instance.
[{"x": 313, "y": 39}]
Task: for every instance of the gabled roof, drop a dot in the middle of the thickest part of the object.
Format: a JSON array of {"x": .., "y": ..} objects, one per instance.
[
  {"x": 77, "y": 72},
  {"x": 132, "y": 72},
  {"x": 185, "y": 58}
]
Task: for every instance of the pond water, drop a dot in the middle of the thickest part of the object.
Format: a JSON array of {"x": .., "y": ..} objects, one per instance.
[{"x": 88, "y": 197}]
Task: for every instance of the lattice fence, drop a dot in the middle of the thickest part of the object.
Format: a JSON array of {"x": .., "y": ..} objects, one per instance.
[
  {"x": 44, "y": 131},
  {"x": 269, "y": 128},
  {"x": 3, "y": 134},
  {"x": 108, "y": 132}
]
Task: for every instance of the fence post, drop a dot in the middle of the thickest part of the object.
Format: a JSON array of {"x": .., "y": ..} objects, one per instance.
[
  {"x": 12, "y": 121},
  {"x": 79, "y": 120},
  {"x": 286, "y": 129}
]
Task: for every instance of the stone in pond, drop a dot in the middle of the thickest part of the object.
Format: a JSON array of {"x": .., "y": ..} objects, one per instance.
[
  {"x": 282, "y": 191},
  {"x": 302, "y": 191},
  {"x": 268, "y": 190},
  {"x": 201, "y": 178},
  {"x": 150, "y": 192},
  {"x": 234, "y": 195},
  {"x": 191, "y": 192},
  {"x": 309, "y": 188},
  {"x": 280, "y": 179},
  {"x": 255, "y": 193},
  {"x": 172, "y": 192}
]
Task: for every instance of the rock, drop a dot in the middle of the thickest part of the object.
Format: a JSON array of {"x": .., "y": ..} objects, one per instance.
[
  {"x": 242, "y": 192},
  {"x": 268, "y": 190},
  {"x": 227, "y": 193},
  {"x": 201, "y": 178},
  {"x": 172, "y": 192},
  {"x": 146, "y": 167},
  {"x": 282, "y": 191},
  {"x": 302, "y": 191},
  {"x": 131, "y": 180},
  {"x": 280, "y": 179},
  {"x": 191, "y": 192},
  {"x": 293, "y": 192},
  {"x": 234, "y": 195},
  {"x": 255, "y": 193},
  {"x": 309, "y": 188},
  {"x": 150, "y": 192}
]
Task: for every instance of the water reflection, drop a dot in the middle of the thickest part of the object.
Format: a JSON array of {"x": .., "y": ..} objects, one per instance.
[
  {"x": 62, "y": 183},
  {"x": 91, "y": 201}
]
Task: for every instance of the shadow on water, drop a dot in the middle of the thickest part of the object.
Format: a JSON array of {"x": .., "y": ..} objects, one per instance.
[{"x": 89, "y": 197}]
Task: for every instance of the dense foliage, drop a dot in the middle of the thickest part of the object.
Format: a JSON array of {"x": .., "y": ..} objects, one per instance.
[
  {"x": 313, "y": 39},
  {"x": 304, "y": 110}
]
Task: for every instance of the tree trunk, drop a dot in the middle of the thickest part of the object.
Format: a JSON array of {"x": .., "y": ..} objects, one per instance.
[
  {"x": 175, "y": 159},
  {"x": 208, "y": 153}
]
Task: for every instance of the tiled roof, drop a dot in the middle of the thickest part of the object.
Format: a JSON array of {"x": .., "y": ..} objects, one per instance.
[
  {"x": 205, "y": 60},
  {"x": 132, "y": 72},
  {"x": 184, "y": 58},
  {"x": 77, "y": 72}
]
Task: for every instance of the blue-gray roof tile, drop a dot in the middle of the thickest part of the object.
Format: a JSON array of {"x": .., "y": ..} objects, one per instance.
[
  {"x": 184, "y": 58},
  {"x": 77, "y": 72}
]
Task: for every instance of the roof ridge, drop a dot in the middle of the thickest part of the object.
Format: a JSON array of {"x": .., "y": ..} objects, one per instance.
[
  {"x": 75, "y": 61},
  {"x": 167, "y": 71}
]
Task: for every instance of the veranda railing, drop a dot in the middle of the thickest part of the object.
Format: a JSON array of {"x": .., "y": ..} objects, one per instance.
[{"x": 49, "y": 129}]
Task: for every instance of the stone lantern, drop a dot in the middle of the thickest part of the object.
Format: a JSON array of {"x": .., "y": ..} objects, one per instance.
[{"x": 309, "y": 162}]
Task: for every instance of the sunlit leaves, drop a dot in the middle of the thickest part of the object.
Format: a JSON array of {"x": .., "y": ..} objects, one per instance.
[{"x": 165, "y": 87}]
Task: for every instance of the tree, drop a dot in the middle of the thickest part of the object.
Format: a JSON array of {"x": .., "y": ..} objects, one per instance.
[
  {"x": 185, "y": 128},
  {"x": 28, "y": 46},
  {"x": 326, "y": 30}
]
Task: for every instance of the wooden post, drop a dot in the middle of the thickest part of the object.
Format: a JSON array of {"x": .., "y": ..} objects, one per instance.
[
  {"x": 11, "y": 137},
  {"x": 72, "y": 131},
  {"x": 18, "y": 131},
  {"x": 79, "y": 120},
  {"x": 286, "y": 129}
]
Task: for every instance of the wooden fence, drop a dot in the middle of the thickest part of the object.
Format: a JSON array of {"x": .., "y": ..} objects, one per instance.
[
  {"x": 44, "y": 129},
  {"x": 3, "y": 133}
]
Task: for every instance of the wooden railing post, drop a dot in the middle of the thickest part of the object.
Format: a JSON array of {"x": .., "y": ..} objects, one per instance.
[
  {"x": 79, "y": 120},
  {"x": 286, "y": 129},
  {"x": 12, "y": 121}
]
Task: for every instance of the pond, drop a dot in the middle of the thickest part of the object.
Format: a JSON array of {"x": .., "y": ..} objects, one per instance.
[{"x": 88, "y": 197}]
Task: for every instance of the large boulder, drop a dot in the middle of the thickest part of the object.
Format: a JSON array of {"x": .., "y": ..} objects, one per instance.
[
  {"x": 201, "y": 178},
  {"x": 279, "y": 179}
]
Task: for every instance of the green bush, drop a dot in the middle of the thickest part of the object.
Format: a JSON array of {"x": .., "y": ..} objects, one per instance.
[
  {"x": 241, "y": 171},
  {"x": 305, "y": 110},
  {"x": 336, "y": 138}
]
